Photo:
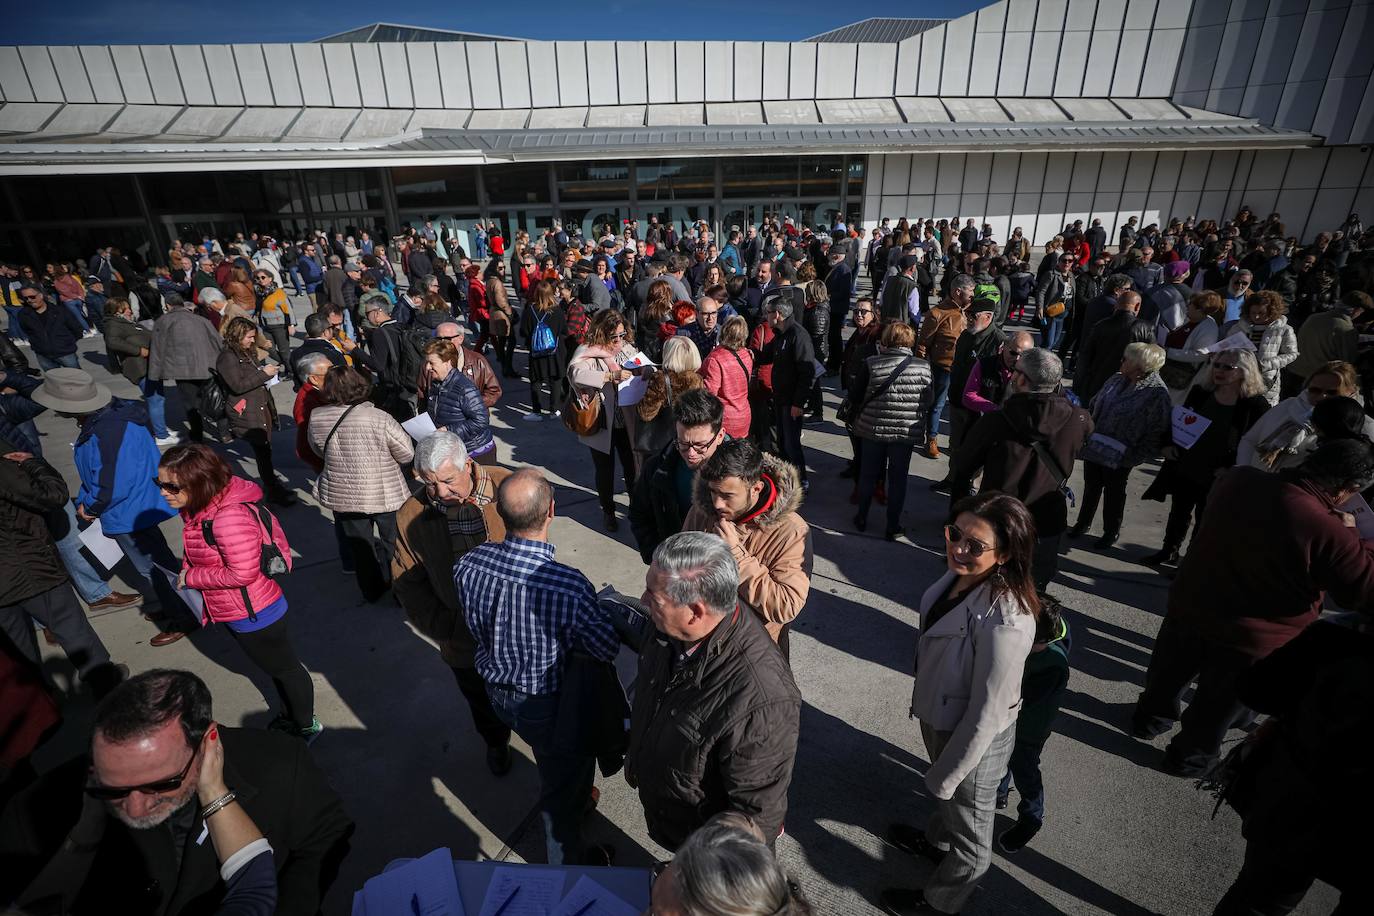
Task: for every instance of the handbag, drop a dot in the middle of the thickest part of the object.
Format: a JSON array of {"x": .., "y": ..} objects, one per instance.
[
  {"x": 849, "y": 412},
  {"x": 214, "y": 404},
  {"x": 582, "y": 414},
  {"x": 1054, "y": 309}
]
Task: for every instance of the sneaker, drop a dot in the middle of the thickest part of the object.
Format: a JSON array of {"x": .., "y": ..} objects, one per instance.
[
  {"x": 20, "y": 342},
  {"x": 1015, "y": 838},
  {"x": 169, "y": 440},
  {"x": 116, "y": 600},
  {"x": 88, "y": 333},
  {"x": 310, "y": 732},
  {"x": 533, "y": 418}
]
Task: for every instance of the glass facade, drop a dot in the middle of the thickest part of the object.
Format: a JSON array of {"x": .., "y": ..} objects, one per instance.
[{"x": 52, "y": 216}]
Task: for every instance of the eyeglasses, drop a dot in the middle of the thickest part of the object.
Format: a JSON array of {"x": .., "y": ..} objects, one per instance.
[
  {"x": 863, "y": 311},
  {"x": 975, "y": 547},
  {"x": 167, "y": 485},
  {"x": 709, "y": 314},
  {"x": 1225, "y": 367},
  {"x": 618, "y": 336},
  {"x": 112, "y": 793},
  {"x": 697, "y": 448}
]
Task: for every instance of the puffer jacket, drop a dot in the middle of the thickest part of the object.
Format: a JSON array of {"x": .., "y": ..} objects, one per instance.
[
  {"x": 247, "y": 401},
  {"x": 456, "y": 405},
  {"x": 718, "y": 734},
  {"x": 362, "y": 466},
  {"x": 126, "y": 341},
  {"x": 969, "y": 667},
  {"x": 185, "y": 346},
  {"x": 774, "y": 554},
  {"x": 1284, "y": 432},
  {"x": 899, "y": 414},
  {"x": 726, "y": 374},
  {"x": 1278, "y": 347},
  {"x": 29, "y": 490},
  {"x": 231, "y": 569},
  {"x": 816, "y": 321}
]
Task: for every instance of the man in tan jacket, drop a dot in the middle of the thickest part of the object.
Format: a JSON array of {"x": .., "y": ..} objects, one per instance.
[
  {"x": 751, "y": 500},
  {"x": 454, "y": 513}
]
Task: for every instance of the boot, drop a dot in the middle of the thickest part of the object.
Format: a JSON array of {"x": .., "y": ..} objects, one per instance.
[
  {"x": 932, "y": 448},
  {"x": 1167, "y": 556},
  {"x": 1107, "y": 540}
]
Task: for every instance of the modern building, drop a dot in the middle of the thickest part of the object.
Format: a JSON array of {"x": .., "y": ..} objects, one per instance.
[{"x": 1026, "y": 113}]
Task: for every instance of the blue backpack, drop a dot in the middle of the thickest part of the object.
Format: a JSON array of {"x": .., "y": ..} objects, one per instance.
[{"x": 542, "y": 341}]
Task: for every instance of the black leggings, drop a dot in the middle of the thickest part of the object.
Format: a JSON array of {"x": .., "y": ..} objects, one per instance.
[
  {"x": 270, "y": 649},
  {"x": 605, "y": 468},
  {"x": 1099, "y": 479},
  {"x": 261, "y": 442},
  {"x": 190, "y": 390}
]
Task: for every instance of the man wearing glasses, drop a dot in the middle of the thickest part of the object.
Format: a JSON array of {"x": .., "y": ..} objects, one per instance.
[
  {"x": 705, "y": 331},
  {"x": 662, "y": 495},
  {"x": 52, "y": 332},
  {"x": 149, "y": 800}
]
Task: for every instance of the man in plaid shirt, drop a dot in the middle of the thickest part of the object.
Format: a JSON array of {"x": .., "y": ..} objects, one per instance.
[{"x": 526, "y": 612}]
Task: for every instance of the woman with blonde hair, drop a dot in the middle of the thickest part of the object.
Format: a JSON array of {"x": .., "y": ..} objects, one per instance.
[
  {"x": 1286, "y": 434},
  {"x": 679, "y": 373},
  {"x": 1130, "y": 423},
  {"x": 1183, "y": 346},
  {"x": 596, "y": 370},
  {"x": 1229, "y": 394},
  {"x": 726, "y": 372}
]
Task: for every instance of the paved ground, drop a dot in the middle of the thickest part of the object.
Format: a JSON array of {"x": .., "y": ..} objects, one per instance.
[{"x": 1121, "y": 837}]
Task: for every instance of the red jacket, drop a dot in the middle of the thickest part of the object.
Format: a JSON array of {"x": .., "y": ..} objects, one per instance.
[
  {"x": 307, "y": 399},
  {"x": 757, "y": 341},
  {"x": 221, "y": 572},
  {"x": 1269, "y": 549},
  {"x": 477, "y": 299},
  {"x": 728, "y": 380}
]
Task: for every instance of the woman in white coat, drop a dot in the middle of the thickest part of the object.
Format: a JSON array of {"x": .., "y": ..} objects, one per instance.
[
  {"x": 596, "y": 370},
  {"x": 1286, "y": 435},
  {"x": 977, "y": 626},
  {"x": 1183, "y": 345},
  {"x": 1275, "y": 341}
]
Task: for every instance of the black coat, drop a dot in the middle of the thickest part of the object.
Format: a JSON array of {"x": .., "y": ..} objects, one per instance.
[
  {"x": 53, "y": 333},
  {"x": 654, "y": 512},
  {"x": 794, "y": 364},
  {"x": 11, "y": 357},
  {"x": 1099, "y": 355},
  {"x": 278, "y": 784},
  {"x": 28, "y": 492}
]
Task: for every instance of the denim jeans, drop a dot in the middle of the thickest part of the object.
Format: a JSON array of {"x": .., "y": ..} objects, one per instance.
[
  {"x": 296, "y": 281},
  {"x": 16, "y": 330},
  {"x": 78, "y": 308},
  {"x": 1024, "y": 768},
  {"x": 90, "y": 585},
  {"x": 145, "y": 549},
  {"x": 66, "y": 361},
  {"x": 1051, "y": 329},
  {"x": 939, "y": 386},
  {"x": 565, "y": 780},
  {"x": 157, "y": 405}
]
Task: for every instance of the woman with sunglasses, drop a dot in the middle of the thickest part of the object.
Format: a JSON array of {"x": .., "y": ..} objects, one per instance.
[
  {"x": 1287, "y": 433},
  {"x": 501, "y": 324},
  {"x": 596, "y": 371},
  {"x": 977, "y": 626},
  {"x": 273, "y": 314},
  {"x": 225, "y": 531},
  {"x": 1229, "y": 394}
]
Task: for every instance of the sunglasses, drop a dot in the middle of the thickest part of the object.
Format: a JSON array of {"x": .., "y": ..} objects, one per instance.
[
  {"x": 975, "y": 547},
  {"x": 162, "y": 786},
  {"x": 168, "y": 486},
  {"x": 863, "y": 311},
  {"x": 1225, "y": 367},
  {"x": 1329, "y": 392}
]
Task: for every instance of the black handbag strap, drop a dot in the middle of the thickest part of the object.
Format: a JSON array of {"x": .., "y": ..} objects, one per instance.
[
  {"x": 748, "y": 376},
  {"x": 886, "y": 384},
  {"x": 1048, "y": 460},
  {"x": 335, "y": 428}
]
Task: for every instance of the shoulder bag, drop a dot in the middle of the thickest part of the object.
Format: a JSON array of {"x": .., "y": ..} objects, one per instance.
[
  {"x": 335, "y": 428},
  {"x": 582, "y": 414},
  {"x": 1056, "y": 471},
  {"x": 848, "y": 412}
]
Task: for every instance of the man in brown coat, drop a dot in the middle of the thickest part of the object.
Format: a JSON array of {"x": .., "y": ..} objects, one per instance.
[
  {"x": 751, "y": 500},
  {"x": 454, "y": 513}
]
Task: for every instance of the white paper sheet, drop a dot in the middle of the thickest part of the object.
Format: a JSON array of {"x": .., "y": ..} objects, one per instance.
[
  {"x": 632, "y": 389},
  {"x": 1364, "y": 518},
  {"x": 1236, "y": 341},
  {"x": 105, "y": 549},
  {"x": 420, "y": 427},
  {"x": 587, "y": 898},
  {"x": 523, "y": 892},
  {"x": 274, "y": 380},
  {"x": 1188, "y": 427},
  {"x": 191, "y": 596}
]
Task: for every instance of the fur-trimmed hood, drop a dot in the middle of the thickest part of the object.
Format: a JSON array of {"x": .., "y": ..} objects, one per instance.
[{"x": 786, "y": 497}]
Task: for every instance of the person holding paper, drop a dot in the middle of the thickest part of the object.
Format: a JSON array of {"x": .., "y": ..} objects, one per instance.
[
  {"x": 1289, "y": 431},
  {"x": 1229, "y": 399},
  {"x": 1238, "y": 597},
  {"x": 1184, "y": 346},
  {"x": 223, "y": 533},
  {"x": 596, "y": 370},
  {"x": 252, "y": 413},
  {"x": 1275, "y": 342},
  {"x": 362, "y": 448},
  {"x": 1130, "y": 423}
]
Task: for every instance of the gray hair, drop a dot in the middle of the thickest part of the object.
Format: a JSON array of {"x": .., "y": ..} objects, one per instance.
[
  {"x": 211, "y": 294},
  {"x": 1042, "y": 369},
  {"x": 315, "y": 364},
  {"x": 722, "y": 870},
  {"x": 780, "y": 305},
  {"x": 961, "y": 281},
  {"x": 699, "y": 567},
  {"x": 438, "y": 449},
  {"x": 1149, "y": 357}
]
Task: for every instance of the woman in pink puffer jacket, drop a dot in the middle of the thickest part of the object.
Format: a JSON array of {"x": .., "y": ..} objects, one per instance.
[{"x": 225, "y": 531}]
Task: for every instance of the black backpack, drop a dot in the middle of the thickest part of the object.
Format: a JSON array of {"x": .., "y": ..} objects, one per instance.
[{"x": 411, "y": 344}]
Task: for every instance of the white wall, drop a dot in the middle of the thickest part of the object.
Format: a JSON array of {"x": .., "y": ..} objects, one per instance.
[{"x": 1313, "y": 189}]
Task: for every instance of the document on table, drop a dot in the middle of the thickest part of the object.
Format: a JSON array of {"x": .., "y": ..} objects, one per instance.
[
  {"x": 420, "y": 427},
  {"x": 426, "y": 886},
  {"x": 1236, "y": 341},
  {"x": 1188, "y": 427},
  {"x": 523, "y": 892},
  {"x": 191, "y": 596},
  {"x": 104, "y": 548},
  {"x": 587, "y": 898},
  {"x": 1364, "y": 518},
  {"x": 632, "y": 389}
]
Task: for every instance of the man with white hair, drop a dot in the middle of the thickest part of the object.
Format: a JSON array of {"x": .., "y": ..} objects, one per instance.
[
  {"x": 713, "y": 662},
  {"x": 454, "y": 512}
]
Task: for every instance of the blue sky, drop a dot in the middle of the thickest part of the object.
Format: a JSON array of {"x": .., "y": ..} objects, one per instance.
[{"x": 161, "y": 22}]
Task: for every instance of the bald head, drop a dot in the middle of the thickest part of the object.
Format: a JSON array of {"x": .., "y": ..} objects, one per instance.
[
  {"x": 1022, "y": 340},
  {"x": 1128, "y": 301},
  {"x": 525, "y": 504}
]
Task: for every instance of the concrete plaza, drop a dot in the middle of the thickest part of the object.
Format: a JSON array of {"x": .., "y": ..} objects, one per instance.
[{"x": 1120, "y": 836}]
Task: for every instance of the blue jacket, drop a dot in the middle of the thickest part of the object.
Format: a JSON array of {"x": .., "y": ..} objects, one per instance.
[
  {"x": 456, "y": 405},
  {"x": 117, "y": 458},
  {"x": 310, "y": 273},
  {"x": 18, "y": 410}
]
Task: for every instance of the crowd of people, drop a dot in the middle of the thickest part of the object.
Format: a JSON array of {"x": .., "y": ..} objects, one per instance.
[{"x": 1223, "y": 358}]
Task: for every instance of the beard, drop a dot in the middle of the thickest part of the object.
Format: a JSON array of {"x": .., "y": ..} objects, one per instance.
[{"x": 165, "y": 808}]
